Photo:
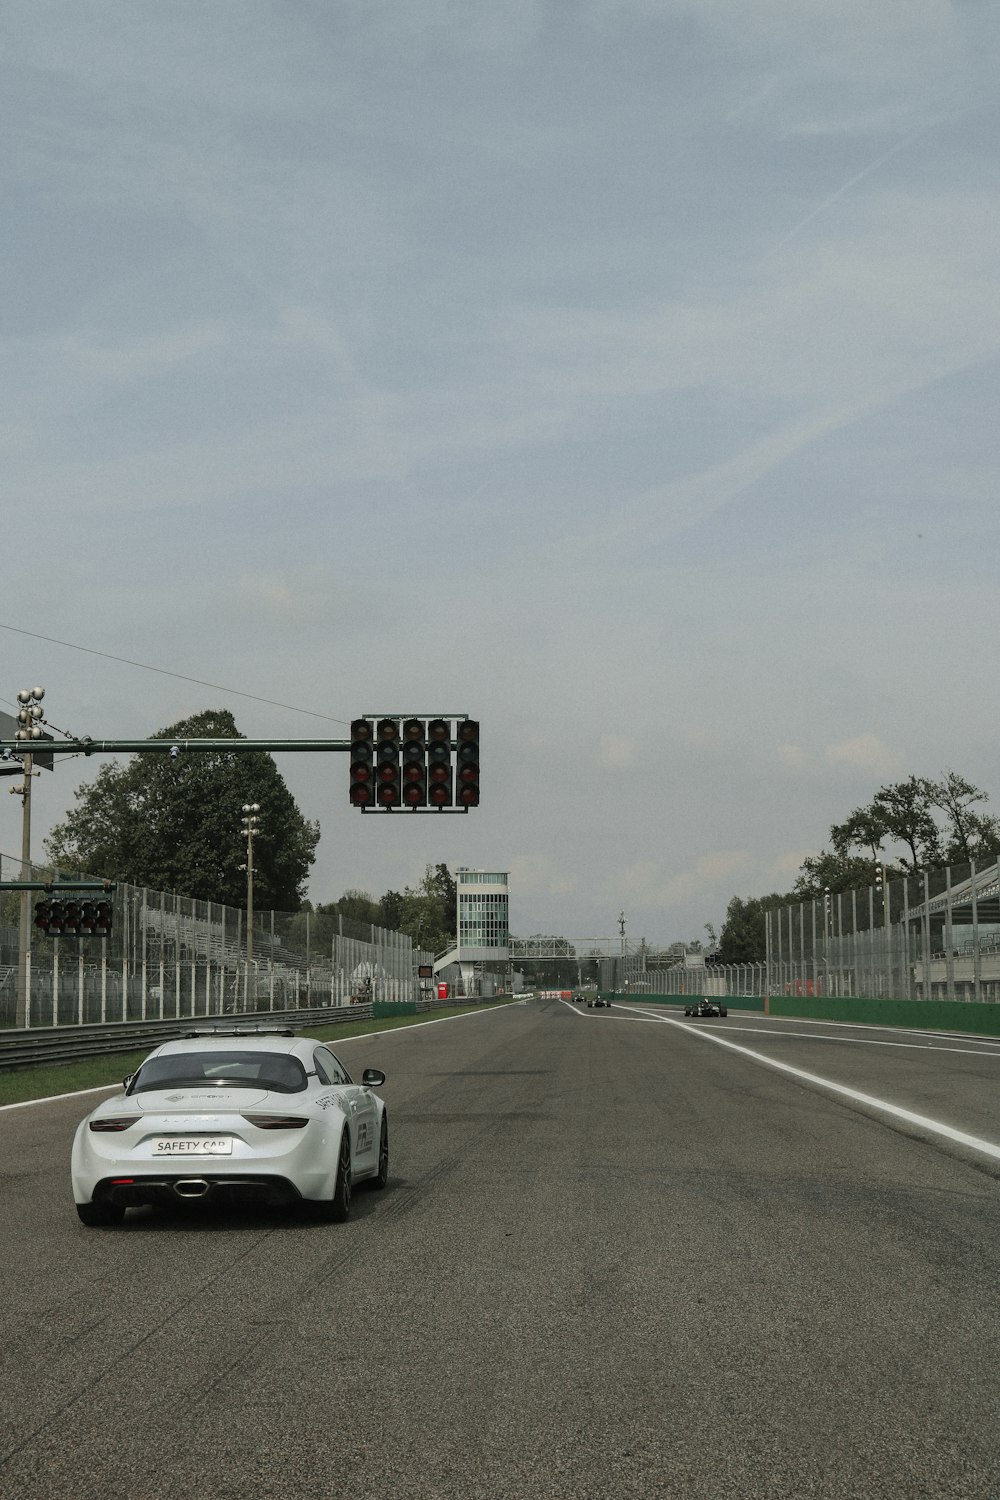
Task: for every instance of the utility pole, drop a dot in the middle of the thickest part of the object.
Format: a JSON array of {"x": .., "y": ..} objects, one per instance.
[
  {"x": 30, "y": 718},
  {"x": 251, "y": 825}
]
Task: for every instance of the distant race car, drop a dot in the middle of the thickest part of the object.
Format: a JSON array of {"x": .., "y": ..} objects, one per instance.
[
  {"x": 596, "y": 1002},
  {"x": 579, "y": 999},
  {"x": 233, "y": 1115},
  {"x": 705, "y": 1008}
]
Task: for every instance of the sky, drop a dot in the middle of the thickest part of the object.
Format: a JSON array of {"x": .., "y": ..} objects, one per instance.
[{"x": 621, "y": 373}]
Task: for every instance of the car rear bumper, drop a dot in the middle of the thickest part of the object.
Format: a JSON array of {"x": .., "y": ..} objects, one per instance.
[{"x": 221, "y": 1188}]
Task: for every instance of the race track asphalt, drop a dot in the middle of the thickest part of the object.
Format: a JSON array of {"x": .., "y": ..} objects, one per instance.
[{"x": 614, "y": 1261}]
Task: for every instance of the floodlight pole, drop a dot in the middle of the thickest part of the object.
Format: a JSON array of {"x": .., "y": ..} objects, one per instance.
[
  {"x": 24, "y": 924},
  {"x": 251, "y": 825},
  {"x": 29, "y": 715},
  {"x": 621, "y": 928}
]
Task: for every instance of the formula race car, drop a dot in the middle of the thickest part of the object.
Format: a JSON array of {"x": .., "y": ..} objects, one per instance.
[
  {"x": 596, "y": 1002},
  {"x": 233, "y": 1116},
  {"x": 705, "y": 1007}
]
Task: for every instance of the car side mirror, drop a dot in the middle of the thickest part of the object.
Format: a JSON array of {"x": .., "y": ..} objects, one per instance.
[
  {"x": 127, "y": 1081},
  {"x": 373, "y": 1078}
]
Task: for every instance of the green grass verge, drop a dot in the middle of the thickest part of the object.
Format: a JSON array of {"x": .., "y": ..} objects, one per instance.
[{"x": 98, "y": 1072}]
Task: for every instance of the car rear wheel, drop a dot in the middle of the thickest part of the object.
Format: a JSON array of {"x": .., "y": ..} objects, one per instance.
[
  {"x": 723, "y": 1011},
  {"x": 340, "y": 1203},
  {"x": 382, "y": 1175},
  {"x": 100, "y": 1215}
]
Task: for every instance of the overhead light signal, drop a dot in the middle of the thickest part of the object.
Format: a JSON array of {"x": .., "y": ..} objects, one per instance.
[
  {"x": 362, "y": 791},
  {"x": 439, "y": 783},
  {"x": 387, "y": 770},
  {"x": 468, "y": 763},
  {"x": 414, "y": 764},
  {"x": 81, "y": 919}
]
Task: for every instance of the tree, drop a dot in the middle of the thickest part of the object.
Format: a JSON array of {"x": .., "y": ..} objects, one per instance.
[
  {"x": 743, "y": 939},
  {"x": 175, "y": 823},
  {"x": 391, "y": 910},
  {"x": 428, "y": 912},
  {"x": 440, "y": 882},
  {"x": 906, "y": 810},
  {"x": 553, "y": 973},
  {"x": 834, "y": 871},
  {"x": 970, "y": 834},
  {"x": 864, "y": 828},
  {"x": 355, "y": 906},
  {"x": 902, "y": 812}
]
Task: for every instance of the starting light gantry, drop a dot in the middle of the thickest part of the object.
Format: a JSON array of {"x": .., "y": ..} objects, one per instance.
[
  {"x": 416, "y": 762},
  {"x": 400, "y": 761}
]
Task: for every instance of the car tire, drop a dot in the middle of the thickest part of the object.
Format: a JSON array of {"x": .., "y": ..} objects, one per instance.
[
  {"x": 100, "y": 1215},
  {"x": 382, "y": 1175},
  {"x": 336, "y": 1210},
  {"x": 723, "y": 1011}
]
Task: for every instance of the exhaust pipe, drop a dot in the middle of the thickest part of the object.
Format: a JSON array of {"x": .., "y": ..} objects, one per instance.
[{"x": 191, "y": 1187}]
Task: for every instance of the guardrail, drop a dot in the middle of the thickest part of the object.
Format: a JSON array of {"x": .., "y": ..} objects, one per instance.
[
  {"x": 63, "y": 1044},
  {"x": 25, "y": 1049}
]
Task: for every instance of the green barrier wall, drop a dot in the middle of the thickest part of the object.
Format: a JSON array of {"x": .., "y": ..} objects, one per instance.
[
  {"x": 930, "y": 1015},
  {"x": 384, "y": 1008}
]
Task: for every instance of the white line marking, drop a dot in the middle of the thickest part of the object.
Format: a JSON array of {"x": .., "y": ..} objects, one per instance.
[
  {"x": 54, "y": 1098},
  {"x": 856, "y": 1041},
  {"x": 363, "y": 1036},
  {"x": 923, "y": 1122},
  {"x": 950, "y": 1036}
]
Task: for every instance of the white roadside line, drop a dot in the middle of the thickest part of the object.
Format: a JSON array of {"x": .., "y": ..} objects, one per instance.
[
  {"x": 857, "y": 1041},
  {"x": 922, "y": 1122},
  {"x": 984, "y": 1041},
  {"x": 106, "y": 1088},
  {"x": 865, "y": 1041}
]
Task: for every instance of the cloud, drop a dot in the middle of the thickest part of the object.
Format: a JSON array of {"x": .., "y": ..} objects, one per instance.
[
  {"x": 310, "y": 597},
  {"x": 615, "y": 752},
  {"x": 538, "y": 875},
  {"x": 789, "y": 863},
  {"x": 644, "y": 884},
  {"x": 866, "y": 752},
  {"x": 792, "y": 756},
  {"x": 133, "y": 359}
]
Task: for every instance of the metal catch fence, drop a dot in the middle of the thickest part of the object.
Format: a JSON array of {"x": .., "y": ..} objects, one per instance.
[
  {"x": 934, "y": 935},
  {"x": 172, "y": 957}
]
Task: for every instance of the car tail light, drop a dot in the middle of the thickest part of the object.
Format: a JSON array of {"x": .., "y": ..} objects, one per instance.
[
  {"x": 114, "y": 1122},
  {"x": 277, "y": 1122}
]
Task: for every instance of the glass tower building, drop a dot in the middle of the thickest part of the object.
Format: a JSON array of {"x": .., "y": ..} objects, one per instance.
[{"x": 483, "y": 934}]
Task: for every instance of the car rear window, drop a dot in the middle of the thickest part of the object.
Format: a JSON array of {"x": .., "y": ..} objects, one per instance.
[{"x": 275, "y": 1071}]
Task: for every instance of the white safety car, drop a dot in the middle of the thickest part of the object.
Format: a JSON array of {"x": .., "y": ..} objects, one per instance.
[{"x": 233, "y": 1116}]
